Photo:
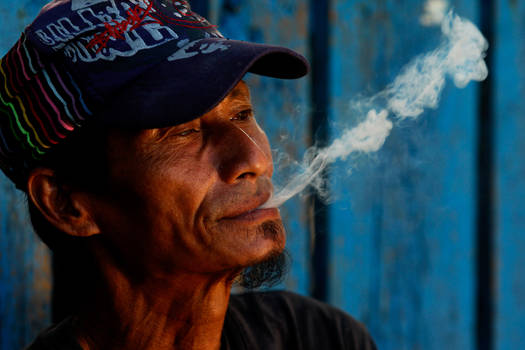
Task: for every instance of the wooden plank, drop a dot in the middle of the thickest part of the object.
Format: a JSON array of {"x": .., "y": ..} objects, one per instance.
[
  {"x": 25, "y": 275},
  {"x": 403, "y": 223},
  {"x": 281, "y": 106},
  {"x": 14, "y": 16},
  {"x": 508, "y": 114}
]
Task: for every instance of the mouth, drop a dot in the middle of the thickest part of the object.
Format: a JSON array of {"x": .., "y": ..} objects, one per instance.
[
  {"x": 253, "y": 213},
  {"x": 256, "y": 215}
]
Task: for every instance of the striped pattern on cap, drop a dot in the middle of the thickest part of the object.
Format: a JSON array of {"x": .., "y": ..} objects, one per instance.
[{"x": 40, "y": 104}]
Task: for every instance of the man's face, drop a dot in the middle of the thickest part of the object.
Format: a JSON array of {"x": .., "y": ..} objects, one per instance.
[{"x": 186, "y": 197}]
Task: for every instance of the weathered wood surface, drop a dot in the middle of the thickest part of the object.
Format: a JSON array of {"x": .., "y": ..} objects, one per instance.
[
  {"x": 509, "y": 170},
  {"x": 25, "y": 271},
  {"x": 402, "y": 224}
]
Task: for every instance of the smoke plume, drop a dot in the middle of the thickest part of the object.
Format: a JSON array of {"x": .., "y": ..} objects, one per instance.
[{"x": 419, "y": 85}]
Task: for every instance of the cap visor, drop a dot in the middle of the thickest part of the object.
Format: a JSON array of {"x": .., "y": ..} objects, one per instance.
[{"x": 175, "y": 92}]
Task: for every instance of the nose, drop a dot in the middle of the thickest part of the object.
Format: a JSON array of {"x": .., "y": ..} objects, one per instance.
[{"x": 243, "y": 155}]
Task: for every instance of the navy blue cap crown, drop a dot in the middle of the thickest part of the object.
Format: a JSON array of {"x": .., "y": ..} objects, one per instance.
[{"x": 107, "y": 42}]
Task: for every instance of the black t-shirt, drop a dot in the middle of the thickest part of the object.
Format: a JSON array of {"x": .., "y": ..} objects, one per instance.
[{"x": 266, "y": 321}]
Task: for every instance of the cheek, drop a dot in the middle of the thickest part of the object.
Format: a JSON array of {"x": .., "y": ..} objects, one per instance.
[
  {"x": 180, "y": 193},
  {"x": 152, "y": 211}
]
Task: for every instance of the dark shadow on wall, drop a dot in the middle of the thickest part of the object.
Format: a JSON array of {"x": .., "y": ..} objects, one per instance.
[
  {"x": 485, "y": 201},
  {"x": 319, "y": 95}
]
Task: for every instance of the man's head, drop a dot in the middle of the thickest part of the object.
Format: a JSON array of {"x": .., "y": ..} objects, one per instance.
[
  {"x": 183, "y": 196},
  {"x": 179, "y": 164}
]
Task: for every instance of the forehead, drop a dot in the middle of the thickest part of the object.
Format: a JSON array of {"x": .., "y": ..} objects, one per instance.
[
  {"x": 239, "y": 95},
  {"x": 239, "y": 92}
]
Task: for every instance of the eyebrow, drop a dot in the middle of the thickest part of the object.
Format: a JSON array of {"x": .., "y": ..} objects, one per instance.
[{"x": 235, "y": 94}]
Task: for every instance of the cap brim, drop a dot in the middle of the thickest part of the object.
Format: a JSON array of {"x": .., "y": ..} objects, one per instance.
[{"x": 175, "y": 92}]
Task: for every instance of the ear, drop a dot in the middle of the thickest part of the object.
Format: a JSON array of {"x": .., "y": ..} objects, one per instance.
[{"x": 65, "y": 209}]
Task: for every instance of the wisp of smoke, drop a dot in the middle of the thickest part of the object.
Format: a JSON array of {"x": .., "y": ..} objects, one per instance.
[
  {"x": 433, "y": 12},
  {"x": 419, "y": 86}
]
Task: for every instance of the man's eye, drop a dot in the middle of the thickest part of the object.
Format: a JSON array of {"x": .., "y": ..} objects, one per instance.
[
  {"x": 187, "y": 132},
  {"x": 246, "y": 114}
]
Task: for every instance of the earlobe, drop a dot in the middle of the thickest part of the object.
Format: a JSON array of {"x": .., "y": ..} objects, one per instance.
[{"x": 64, "y": 209}]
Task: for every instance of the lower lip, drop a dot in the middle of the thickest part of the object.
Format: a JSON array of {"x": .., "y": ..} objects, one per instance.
[{"x": 256, "y": 215}]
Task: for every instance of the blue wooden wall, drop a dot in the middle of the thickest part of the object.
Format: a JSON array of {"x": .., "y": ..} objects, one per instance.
[
  {"x": 423, "y": 242},
  {"x": 403, "y": 228},
  {"x": 508, "y": 109}
]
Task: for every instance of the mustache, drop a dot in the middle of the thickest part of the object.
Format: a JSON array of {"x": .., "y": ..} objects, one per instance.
[{"x": 243, "y": 197}]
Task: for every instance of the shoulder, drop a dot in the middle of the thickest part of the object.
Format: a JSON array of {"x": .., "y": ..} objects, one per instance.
[
  {"x": 314, "y": 323},
  {"x": 56, "y": 337}
]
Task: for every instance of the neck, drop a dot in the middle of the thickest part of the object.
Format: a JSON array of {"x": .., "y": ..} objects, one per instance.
[{"x": 182, "y": 312}]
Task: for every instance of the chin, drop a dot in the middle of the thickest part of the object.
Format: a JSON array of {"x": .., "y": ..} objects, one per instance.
[
  {"x": 271, "y": 241},
  {"x": 234, "y": 246},
  {"x": 266, "y": 273}
]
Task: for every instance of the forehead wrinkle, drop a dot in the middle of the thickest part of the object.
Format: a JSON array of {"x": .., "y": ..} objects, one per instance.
[
  {"x": 237, "y": 98},
  {"x": 240, "y": 92}
]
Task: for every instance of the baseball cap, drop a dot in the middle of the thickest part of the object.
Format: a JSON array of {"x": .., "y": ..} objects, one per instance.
[{"x": 129, "y": 64}]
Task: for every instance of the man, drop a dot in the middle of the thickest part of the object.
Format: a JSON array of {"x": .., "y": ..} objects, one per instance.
[{"x": 129, "y": 127}]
